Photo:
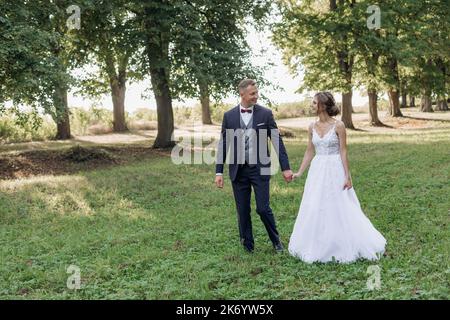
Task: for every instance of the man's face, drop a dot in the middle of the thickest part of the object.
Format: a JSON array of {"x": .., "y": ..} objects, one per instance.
[{"x": 249, "y": 95}]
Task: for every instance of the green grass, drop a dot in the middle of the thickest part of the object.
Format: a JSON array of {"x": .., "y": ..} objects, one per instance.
[{"x": 152, "y": 230}]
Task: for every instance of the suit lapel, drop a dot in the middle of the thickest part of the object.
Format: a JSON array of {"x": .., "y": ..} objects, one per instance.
[
  {"x": 255, "y": 114},
  {"x": 237, "y": 117}
]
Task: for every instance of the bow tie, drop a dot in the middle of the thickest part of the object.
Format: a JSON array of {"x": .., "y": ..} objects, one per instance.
[{"x": 246, "y": 110}]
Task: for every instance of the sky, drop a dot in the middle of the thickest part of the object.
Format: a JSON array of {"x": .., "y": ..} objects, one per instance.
[{"x": 278, "y": 74}]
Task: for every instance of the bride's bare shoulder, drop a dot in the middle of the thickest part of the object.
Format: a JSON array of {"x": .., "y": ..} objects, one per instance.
[
  {"x": 311, "y": 125},
  {"x": 340, "y": 124},
  {"x": 340, "y": 128}
]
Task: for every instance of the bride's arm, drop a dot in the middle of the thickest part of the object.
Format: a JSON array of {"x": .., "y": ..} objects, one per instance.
[
  {"x": 340, "y": 129},
  {"x": 309, "y": 154}
]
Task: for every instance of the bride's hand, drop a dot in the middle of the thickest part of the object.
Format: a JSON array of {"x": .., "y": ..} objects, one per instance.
[
  {"x": 296, "y": 175},
  {"x": 348, "y": 184}
]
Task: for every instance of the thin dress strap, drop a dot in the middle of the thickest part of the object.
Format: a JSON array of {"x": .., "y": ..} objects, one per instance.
[{"x": 329, "y": 130}]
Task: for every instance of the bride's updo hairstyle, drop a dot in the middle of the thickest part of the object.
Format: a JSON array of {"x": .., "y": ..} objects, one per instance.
[{"x": 326, "y": 99}]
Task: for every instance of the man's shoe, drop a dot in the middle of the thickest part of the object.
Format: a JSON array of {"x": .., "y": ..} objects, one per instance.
[
  {"x": 278, "y": 247},
  {"x": 249, "y": 250}
]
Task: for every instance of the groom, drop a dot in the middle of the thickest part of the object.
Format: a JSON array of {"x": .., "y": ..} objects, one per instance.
[{"x": 245, "y": 131}]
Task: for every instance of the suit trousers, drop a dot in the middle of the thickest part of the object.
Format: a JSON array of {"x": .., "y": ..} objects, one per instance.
[{"x": 248, "y": 177}]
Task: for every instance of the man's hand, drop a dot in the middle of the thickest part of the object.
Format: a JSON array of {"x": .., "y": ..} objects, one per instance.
[
  {"x": 219, "y": 181},
  {"x": 287, "y": 175}
]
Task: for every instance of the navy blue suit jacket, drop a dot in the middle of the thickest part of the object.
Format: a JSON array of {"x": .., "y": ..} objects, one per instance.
[{"x": 262, "y": 119}]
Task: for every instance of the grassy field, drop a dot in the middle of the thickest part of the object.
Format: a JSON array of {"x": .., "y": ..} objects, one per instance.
[{"x": 151, "y": 230}]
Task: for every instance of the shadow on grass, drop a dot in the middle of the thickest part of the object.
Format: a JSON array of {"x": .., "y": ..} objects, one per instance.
[{"x": 427, "y": 119}]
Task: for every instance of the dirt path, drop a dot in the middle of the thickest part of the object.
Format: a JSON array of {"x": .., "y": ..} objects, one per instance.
[
  {"x": 413, "y": 119},
  {"x": 18, "y": 160}
]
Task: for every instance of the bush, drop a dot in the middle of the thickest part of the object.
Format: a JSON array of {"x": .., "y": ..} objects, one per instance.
[
  {"x": 97, "y": 120},
  {"x": 144, "y": 114},
  {"x": 293, "y": 110},
  {"x": 99, "y": 128},
  {"x": 217, "y": 111},
  {"x": 93, "y": 121},
  {"x": 142, "y": 125},
  {"x": 11, "y": 131},
  {"x": 383, "y": 104}
]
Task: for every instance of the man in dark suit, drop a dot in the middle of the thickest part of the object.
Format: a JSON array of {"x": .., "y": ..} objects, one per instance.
[{"x": 244, "y": 137}]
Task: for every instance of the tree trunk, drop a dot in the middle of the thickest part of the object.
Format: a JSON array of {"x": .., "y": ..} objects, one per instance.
[
  {"x": 345, "y": 60},
  {"x": 204, "y": 100},
  {"x": 426, "y": 104},
  {"x": 373, "y": 108},
  {"x": 442, "y": 105},
  {"x": 333, "y": 5},
  {"x": 118, "y": 89},
  {"x": 394, "y": 103},
  {"x": 164, "y": 108},
  {"x": 393, "y": 92},
  {"x": 157, "y": 47},
  {"x": 403, "y": 104},
  {"x": 347, "y": 110},
  {"x": 62, "y": 114},
  {"x": 412, "y": 101}
]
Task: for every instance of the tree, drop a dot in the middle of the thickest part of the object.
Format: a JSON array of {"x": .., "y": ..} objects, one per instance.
[
  {"x": 34, "y": 60},
  {"x": 108, "y": 37},
  {"x": 316, "y": 39},
  {"x": 164, "y": 26},
  {"x": 368, "y": 46},
  {"x": 425, "y": 61},
  {"x": 211, "y": 59}
]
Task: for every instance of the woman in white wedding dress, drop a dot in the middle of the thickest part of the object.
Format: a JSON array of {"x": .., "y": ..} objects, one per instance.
[{"x": 330, "y": 225}]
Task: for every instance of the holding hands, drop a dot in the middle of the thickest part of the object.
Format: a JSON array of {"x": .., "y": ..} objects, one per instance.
[
  {"x": 296, "y": 175},
  {"x": 287, "y": 175}
]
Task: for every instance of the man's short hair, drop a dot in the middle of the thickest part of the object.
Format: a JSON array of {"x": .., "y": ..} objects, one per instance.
[{"x": 245, "y": 83}]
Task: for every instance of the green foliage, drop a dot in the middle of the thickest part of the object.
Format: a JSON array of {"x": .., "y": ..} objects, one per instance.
[
  {"x": 210, "y": 47},
  {"x": 34, "y": 56},
  {"x": 145, "y": 114},
  {"x": 293, "y": 110},
  {"x": 81, "y": 119},
  {"x": 408, "y": 52},
  {"x": 311, "y": 39},
  {"x": 15, "y": 129},
  {"x": 109, "y": 44}
]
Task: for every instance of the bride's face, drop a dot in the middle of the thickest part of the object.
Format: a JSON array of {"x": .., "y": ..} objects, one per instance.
[{"x": 315, "y": 105}]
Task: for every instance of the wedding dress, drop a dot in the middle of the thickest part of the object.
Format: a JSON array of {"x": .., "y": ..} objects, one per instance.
[{"x": 330, "y": 224}]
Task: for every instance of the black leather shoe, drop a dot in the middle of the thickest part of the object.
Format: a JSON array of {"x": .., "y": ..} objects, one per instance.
[
  {"x": 249, "y": 250},
  {"x": 278, "y": 247}
]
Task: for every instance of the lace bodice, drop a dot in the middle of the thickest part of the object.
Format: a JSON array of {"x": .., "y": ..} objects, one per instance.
[{"x": 328, "y": 144}]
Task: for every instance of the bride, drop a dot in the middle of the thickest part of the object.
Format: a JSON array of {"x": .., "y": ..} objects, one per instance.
[{"x": 330, "y": 225}]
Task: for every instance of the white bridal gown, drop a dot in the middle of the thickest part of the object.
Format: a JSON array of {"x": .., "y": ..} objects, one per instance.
[{"x": 330, "y": 224}]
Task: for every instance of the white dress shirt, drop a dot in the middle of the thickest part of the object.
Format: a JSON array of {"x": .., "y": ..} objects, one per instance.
[{"x": 246, "y": 116}]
